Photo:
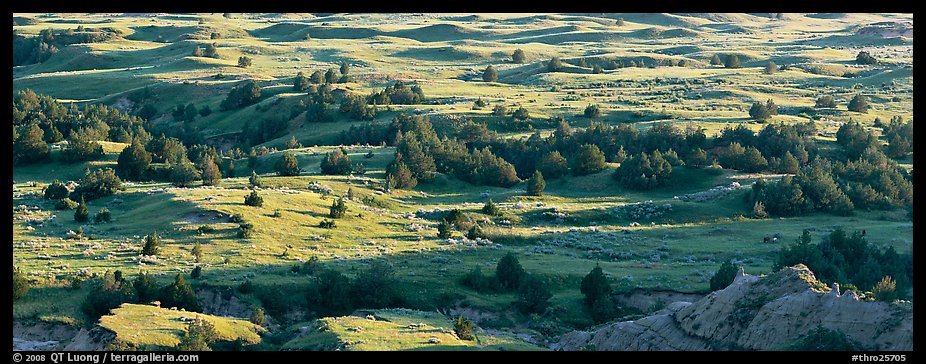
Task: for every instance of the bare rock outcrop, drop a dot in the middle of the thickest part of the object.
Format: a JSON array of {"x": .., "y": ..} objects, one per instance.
[{"x": 757, "y": 313}]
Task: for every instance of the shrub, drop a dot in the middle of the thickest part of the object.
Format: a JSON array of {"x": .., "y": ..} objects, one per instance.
[
  {"x": 65, "y": 204},
  {"x": 724, "y": 276},
  {"x": 56, "y": 191},
  {"x": 533, "y": 294},
  {"x": 518, "y": 56},
  {"x": 103, "y": 215},
  {"x": 257, "y": 316},
  {"x": 253, "y": 199},
  {"x": 200, "y": 334},
  {"x": 184, "y": 174},
  {"x": 885, "y": 290},
  {"x": 823, "y": 339},
  {"x": 21, "y": 284},
  {"x": 490, "y": 74},
  {"x": 463, "y": 328},
  {"x": 245, "y": 230},
  {"x": 491, "y": 209}
]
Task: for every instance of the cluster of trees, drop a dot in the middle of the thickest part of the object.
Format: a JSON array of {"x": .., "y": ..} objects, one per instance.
[
  {"x": 899, "y": 135},
  {"x": 39, "y": 120},
  {"x": 39, "y": 48},
  {"x": 167, "y": 159},
  {"x": 242, "y": 95},
  {"x": 398, "y": 94},
  {"x": 644, "y": 171},
  {"x": 858, "y": 103},
  {"x": 303, "y": 83},
  {"x": 113, "y": 289},
  {"x": 331, "y": 293},
  {"x": 211, "y": 51},
  {"x": 762, "y": 112},
  {"x": 852, "y": 262},
  {"x": 336, "y": 163},
  {"x": 871, "y": 182},
  {"x": 600, "y": 64},
  {"x": 533, "y": 296},
  {"x": 420, "y": 154}
]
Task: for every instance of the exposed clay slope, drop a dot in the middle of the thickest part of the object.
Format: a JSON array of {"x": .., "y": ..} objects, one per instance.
[{"x": 757, "y": 313}]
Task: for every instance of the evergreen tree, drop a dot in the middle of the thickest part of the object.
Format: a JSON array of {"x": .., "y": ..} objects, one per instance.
[
  {"x": 509, "y": 271},
  {"x": 724, "y": 276},
  {"x": 211, "y": 174},
  {"x": 518, "y": 56},
  {"x": 533, "y": 294},
  {"x": 338, "y": 209},
  {"x": 133, "y": 161},
  {"x": 732, "y": 61},
  {"x": 82, "y": 214},
  {"x": 715, "y": 60},
  {"x": 592, "y": 112},
  {"x": 595, "y": 286},
  {"x": 553, "y": 165},
  {"x": 300, "y": 82},
  {"x": 287, "y": 165},
  {"x": 859, "y": 103},
  {"x": 491, "y": 209},
  {"x": 825, "y": 101},
  {"x": 587, "y": 160},
  {"x": 179, "y": 294},
  {"x": 336, "y": 163},
  {"x": 254, "y": 180},
  {"x": 770, "y": 68},
  {"x": 183, "y": 174},
  {"x": 197, "y": 252},
  {"x": 490, "y": 74},
  {"x": 253, "y": 199},
  {"x": 554, "y": 64},
  {"x": 30, "y": 146},
  {"x": 56, "y": 191},
  {"x": 244, "y": 62},
  {"x": 444, "y": 229},
  {"x": 536, "y": 184},
  {"x": 152, "y": 244}
]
